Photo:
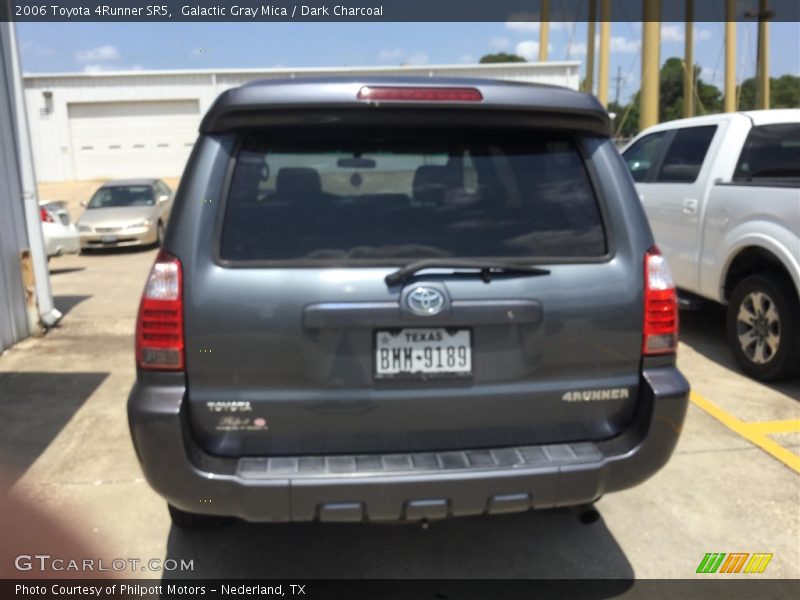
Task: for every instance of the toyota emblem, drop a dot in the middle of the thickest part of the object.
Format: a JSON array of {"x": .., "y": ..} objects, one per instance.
[{"x": 425, "y": 301}]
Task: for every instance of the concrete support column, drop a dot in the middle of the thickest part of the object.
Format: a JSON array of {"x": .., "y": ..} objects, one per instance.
[
  {"x": 729, "y": 104},
  {"x": 544, "y": 30},
  {"x": 762, "y": 96},
  {"x": 605, "y": 46},
  {"x": 688, "y": 62},
  {"x": 651, "y": 63},
  {"x": 590, "y": 27}
]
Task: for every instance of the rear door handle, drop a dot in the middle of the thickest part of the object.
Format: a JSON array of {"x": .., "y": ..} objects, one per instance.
[
  {"x": 689, "y": 206},
  {"x": 387, "y": 314}
]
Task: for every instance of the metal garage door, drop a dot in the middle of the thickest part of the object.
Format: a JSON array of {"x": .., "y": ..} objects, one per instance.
[{"x": 132, "y": 139}]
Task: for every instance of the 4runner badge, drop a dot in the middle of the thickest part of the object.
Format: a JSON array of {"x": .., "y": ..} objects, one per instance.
[{"x": 596, "y": 395}]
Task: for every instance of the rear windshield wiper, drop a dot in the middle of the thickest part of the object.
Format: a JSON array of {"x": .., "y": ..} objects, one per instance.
[{"x": 485, "y": 267}]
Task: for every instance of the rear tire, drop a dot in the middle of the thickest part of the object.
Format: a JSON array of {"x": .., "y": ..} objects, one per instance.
[
  {"x": 188, "y": 520},
  {"x": 764, "y": 328},
  {"x": 159, "y": 234}
]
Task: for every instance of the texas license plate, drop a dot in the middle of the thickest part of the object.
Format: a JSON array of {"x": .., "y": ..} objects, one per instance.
[{"x": 429, "y": 351}]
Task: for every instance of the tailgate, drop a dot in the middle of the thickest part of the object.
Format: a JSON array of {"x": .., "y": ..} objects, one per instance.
[{"x": 295, "y": 344}]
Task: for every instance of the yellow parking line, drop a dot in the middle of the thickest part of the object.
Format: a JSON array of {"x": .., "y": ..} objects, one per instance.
[
  {"x": 767, "y": 427},
  {"x": 751, "y": 434}
]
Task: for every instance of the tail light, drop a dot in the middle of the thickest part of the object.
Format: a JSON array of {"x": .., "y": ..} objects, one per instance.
[
  {"x": 159, "y": 328},
  {"x": 45, "y": 215},
  {"x": 660, "y": 306},
  {"x": 419, "y": 94}
]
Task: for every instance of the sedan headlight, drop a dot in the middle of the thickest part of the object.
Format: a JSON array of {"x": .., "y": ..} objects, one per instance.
[{"x": 145, "y": 223}]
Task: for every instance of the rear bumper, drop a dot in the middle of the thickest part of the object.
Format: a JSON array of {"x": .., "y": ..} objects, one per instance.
[
  {"x": 61, "y": 239},
  {"x": 400, "y": 486},
  {"x": 143, "y": 236}
]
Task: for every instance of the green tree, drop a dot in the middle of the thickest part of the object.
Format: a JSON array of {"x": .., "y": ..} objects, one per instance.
[
  {"x": 501, "y": 57},
  {"x": 626, "y": 119},
  {"x": 708, "y": 99},
  {"x": 784, "y": 92}
]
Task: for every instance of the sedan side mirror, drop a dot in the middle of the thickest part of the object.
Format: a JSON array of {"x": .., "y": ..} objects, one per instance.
[
  {"x": 83, "y": 203},
  {"x": 163, "y": 198}
]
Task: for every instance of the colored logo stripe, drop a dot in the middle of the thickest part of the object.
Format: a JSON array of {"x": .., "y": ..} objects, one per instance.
[
  {"x": 734, "y": 562},
  {"x": 711, "y": 562},
  {"x": 758, "y": 563}
]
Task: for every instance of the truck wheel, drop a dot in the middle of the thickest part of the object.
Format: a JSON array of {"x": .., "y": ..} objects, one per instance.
[
  {"x": 764, "y": 328},
  {"x": 187, "y": 520}
]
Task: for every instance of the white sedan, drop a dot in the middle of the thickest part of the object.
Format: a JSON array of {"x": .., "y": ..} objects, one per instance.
[{"x": 60, "y": 234}]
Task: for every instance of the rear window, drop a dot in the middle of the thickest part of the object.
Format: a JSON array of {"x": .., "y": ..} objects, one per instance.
[
  {"x": 771, "y": 152},
  {"x": 367, "y": 196}
]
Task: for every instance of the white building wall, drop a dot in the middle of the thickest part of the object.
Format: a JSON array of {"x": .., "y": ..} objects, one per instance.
[
  {"x": 52, "y": 143},
  {"x": 50, "y": 133}
]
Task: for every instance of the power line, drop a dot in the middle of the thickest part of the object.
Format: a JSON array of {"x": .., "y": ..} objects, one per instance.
[{"x": 618, "y": 83}]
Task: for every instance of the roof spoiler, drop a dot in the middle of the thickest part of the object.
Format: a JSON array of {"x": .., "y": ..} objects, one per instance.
[{"x": 339, "y": 102}]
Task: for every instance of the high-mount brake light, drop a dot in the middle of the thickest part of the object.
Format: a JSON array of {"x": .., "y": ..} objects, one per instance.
[
  {"x": 419, "y": 94},
  {"x": 660, "y": 306},
  {"x": 159, "y": 327}
]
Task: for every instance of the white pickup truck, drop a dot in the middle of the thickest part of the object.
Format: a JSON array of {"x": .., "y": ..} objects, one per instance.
[{"x": 722, "y": 193}]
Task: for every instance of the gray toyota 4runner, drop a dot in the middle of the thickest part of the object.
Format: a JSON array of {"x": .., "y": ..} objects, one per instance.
[{"x": 403, "y": 299}]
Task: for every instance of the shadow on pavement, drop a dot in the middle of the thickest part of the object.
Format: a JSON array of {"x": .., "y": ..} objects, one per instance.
[
  {"x": 34, "y": 407},
  {"x": 100, "y": 251},
  {"x": 540, "y": 544},
  {"x": 67, "y": 303},
  {"x": 704, "y": 331},
  {"x": 64, "y": 270}
]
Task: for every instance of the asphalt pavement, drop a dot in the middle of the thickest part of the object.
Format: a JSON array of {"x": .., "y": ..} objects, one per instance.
[{"x": 731, "y": 486}]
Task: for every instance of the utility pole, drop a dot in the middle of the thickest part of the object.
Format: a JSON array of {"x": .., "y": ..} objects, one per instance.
[
  {"x": 618, "y": 84},
  {"x": 544, "y": 30},
  {"x": 651, "y": 63},
  {"x": 589, "y": 81},
  {"x": 762, "y": 72},
  {"x": 730, "y": 57},
  {"x": 605, "y": 43},
  {"x": 688, "y": 62}
]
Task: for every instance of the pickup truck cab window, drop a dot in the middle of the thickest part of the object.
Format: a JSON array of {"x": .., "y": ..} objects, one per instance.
[
  {"x": 684, "y": 159},
  {"x": 642, "y": 156},
  {"x": 771, "y": 152}
]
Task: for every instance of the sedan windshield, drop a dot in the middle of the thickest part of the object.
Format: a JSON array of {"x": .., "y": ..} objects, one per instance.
[{"x": 112, "y": 197}]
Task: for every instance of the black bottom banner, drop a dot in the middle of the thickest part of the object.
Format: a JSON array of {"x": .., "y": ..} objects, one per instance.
[{"x": 401, "y": 589}]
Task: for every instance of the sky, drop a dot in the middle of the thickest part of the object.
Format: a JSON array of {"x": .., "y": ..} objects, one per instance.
[{"x": 76, "y": 47}]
